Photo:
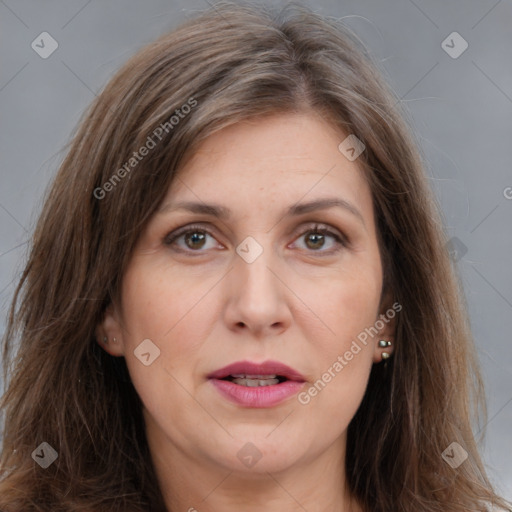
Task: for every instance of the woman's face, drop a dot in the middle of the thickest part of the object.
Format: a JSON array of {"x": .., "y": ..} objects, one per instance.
[{"x": 252, "y": 284}]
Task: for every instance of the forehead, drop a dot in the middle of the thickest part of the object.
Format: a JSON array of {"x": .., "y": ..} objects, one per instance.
[{"x": 272, "y": 162}]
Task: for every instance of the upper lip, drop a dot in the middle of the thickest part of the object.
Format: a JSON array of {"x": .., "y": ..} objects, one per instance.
[{"x": 264, "y": 368}]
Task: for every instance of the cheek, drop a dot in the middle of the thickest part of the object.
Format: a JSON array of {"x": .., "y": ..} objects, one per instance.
[
  {"x": 155, "y": 310},
  {"x": 345, "y": 304},
  {"x": 352, "y": 311},
  {"x": 173, "y": 312},
  {"x": 343, "y": 363},
  {"x": 159, "y": 302}
]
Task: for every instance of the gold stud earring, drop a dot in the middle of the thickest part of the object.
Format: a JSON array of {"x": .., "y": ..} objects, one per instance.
[{"x": 385, "y": 355}]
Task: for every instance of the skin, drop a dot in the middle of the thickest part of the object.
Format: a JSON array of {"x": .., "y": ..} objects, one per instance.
[{"x": 300, "y": 302}]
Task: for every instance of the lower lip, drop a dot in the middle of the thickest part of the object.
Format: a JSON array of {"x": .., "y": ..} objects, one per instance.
[{"x": 260, "y": 396}]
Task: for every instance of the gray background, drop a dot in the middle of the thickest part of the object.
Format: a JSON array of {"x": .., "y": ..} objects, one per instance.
[{"x": 461, "y": 110}]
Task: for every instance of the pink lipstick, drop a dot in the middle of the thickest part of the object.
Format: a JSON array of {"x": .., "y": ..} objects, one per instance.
[{"x": 257, "y": 384}]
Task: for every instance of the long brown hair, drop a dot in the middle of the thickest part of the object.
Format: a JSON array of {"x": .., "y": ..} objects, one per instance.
[{"x": 229, "y": 64}]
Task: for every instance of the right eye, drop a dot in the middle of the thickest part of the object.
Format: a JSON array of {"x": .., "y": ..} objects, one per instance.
[{"x": 190, "y": 238}]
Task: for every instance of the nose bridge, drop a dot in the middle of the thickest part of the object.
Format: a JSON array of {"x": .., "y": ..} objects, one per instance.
[{"x": 252, "y": 265}]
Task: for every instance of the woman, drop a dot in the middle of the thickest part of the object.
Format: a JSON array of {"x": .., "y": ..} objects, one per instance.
[{"x": 238, "y": 295}]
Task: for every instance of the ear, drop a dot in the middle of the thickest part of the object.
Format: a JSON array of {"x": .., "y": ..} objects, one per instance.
[
  {"x": 385, "y": 324},
  {"x": 109, "y": 333}
]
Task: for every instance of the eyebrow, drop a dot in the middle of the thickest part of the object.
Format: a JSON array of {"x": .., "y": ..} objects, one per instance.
[{"x": 223, "y": 213}]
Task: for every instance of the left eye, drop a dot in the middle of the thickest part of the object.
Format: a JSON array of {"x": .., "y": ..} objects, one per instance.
[
  {"x": 195, "y": 239},
  {"x": 315, "y": 239}
]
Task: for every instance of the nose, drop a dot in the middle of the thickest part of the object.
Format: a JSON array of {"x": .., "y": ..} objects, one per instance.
[{"x": 257, "y": 297}]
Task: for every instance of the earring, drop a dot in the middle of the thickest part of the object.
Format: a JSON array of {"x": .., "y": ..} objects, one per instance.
[
  {"x": 115, "y": 340},
  {"x": 383, "y": 344},
  {"x": 105, "y": 340}
]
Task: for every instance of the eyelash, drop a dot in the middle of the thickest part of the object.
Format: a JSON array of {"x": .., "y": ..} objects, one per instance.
[{"x": 341, "y": 240}]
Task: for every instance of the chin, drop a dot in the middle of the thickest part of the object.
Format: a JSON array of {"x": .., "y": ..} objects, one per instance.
[{"x": 258, "y": 454}]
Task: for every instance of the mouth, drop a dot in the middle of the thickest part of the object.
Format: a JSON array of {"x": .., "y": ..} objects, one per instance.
[
  {"x": 253, "y": 381},
  {"x": 257, "y": 384}
]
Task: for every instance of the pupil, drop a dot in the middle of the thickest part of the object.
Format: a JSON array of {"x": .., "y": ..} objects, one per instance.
[
  {"x": 319, "y": 238},
  {"x": 195, "y": 237}
]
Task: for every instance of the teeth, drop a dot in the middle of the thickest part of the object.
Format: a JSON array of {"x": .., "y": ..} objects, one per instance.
[
  {"x": 253, "y": 383},
  {"x": 247, "y": 376}
]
